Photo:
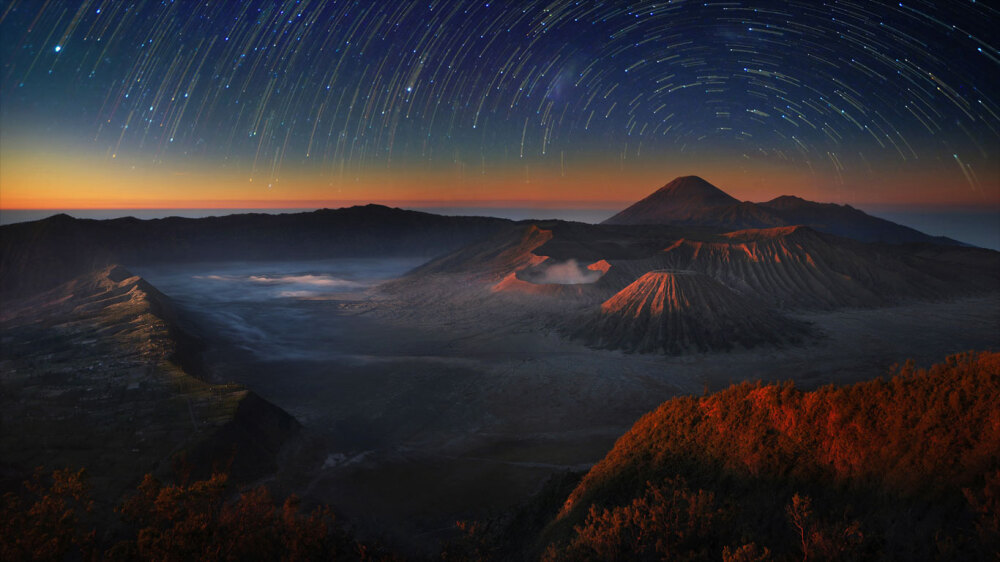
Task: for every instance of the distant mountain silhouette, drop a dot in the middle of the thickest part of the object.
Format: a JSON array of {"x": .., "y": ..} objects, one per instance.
[
  {"x": 40, "y": 254},
  {"x": 681, "y": 200},
  {"x": 690, "y": 200}
]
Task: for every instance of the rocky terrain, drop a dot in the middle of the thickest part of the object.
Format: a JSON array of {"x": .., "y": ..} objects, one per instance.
[
  {"x": 800, "y": 268},
  {"x": 566, "y": 276},
  {"x": 673, "y": 311},
  {"x": 95, "y": 373}
]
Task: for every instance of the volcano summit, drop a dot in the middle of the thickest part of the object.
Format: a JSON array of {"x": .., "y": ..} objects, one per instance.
[{"x": 692, "y": 201}]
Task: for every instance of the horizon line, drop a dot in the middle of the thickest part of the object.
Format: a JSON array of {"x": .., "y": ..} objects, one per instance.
[
  {"x": 334, "y": 204},
  {"x": 314, "y": 205}
]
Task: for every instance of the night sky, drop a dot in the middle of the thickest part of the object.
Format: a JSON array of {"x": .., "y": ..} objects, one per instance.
[{"x": 211, "y": 103}]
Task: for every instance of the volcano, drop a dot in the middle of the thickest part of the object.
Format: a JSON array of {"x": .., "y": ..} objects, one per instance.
[
  {"x": 692, "y": 201},
  {"x": 675, "y": 311},
  {"x": 797, "y": 267},
  {"x": 681, "y": 200}
]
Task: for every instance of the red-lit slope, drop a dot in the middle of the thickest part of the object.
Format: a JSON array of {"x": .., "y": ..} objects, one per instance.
[
  {"x": 797, "y": 267},
  {"x": 510, "y": 250},
  {"x": 895, "y": 468},
  {"x": 677, "y": 311}
]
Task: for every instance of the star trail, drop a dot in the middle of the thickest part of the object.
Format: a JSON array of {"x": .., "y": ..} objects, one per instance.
[{"x": 839, "y": 92}]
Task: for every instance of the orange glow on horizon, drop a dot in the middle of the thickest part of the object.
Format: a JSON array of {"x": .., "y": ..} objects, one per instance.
[{"x": 66, "y": 180}]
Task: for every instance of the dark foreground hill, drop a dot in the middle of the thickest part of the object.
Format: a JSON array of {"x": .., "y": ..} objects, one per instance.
[
  {"x": 691, "y": 201},
  {"x": 40, "y": 254},
  {"x": 97, "y": 374}
]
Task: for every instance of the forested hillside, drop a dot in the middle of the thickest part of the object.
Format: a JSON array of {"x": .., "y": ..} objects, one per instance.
[{"x": 899, "y": 469}]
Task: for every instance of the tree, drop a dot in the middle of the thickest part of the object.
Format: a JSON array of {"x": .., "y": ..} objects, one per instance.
[{"x": 46, "y": 522}]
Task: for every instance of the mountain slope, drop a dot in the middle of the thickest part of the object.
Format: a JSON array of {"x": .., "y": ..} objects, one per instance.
[
  {"x": 677, "y": 311},
  {"x": 792, "y": 268},
  {"x": 797, "y": 267},
  {"x": 844, "y": 220},
  {"x": 691, "y": 200},
  {"x": 679, "y": 201},
  {"x": 96, "y": 373},
  {"x": 512, "y": 249},
  {"x": 888, "y": 469}
]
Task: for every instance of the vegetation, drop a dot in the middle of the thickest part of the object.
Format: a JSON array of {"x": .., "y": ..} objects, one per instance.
[
  {"x": 901, "y": 469},
  {"x": 906, "y": 468},
  {"x": 45, "y": 522},
  {"x": 202, "y": 520}
]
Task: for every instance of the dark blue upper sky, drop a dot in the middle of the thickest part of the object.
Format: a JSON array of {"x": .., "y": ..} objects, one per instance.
[{"x": 838, "y": 88}]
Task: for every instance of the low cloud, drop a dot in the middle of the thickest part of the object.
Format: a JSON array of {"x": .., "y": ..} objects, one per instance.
[
  {"x": 311, "y": 280},
  {"x": 307, "y": 280},
  {"x": 568, "y": 273},
  {"x": 277, "y": 285}
]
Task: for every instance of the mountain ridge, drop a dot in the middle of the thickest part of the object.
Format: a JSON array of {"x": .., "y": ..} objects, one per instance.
[
  {"x": 690, "y": 200},
  {"x": 110, "y": 340},
  {"x": 41, "y": 254}
]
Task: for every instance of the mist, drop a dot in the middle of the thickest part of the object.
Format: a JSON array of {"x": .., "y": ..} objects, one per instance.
[
  {"x": 275, "y": 310},
  {"x": 264, "y": 281},
  {"x": 568, "y": 272}
]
